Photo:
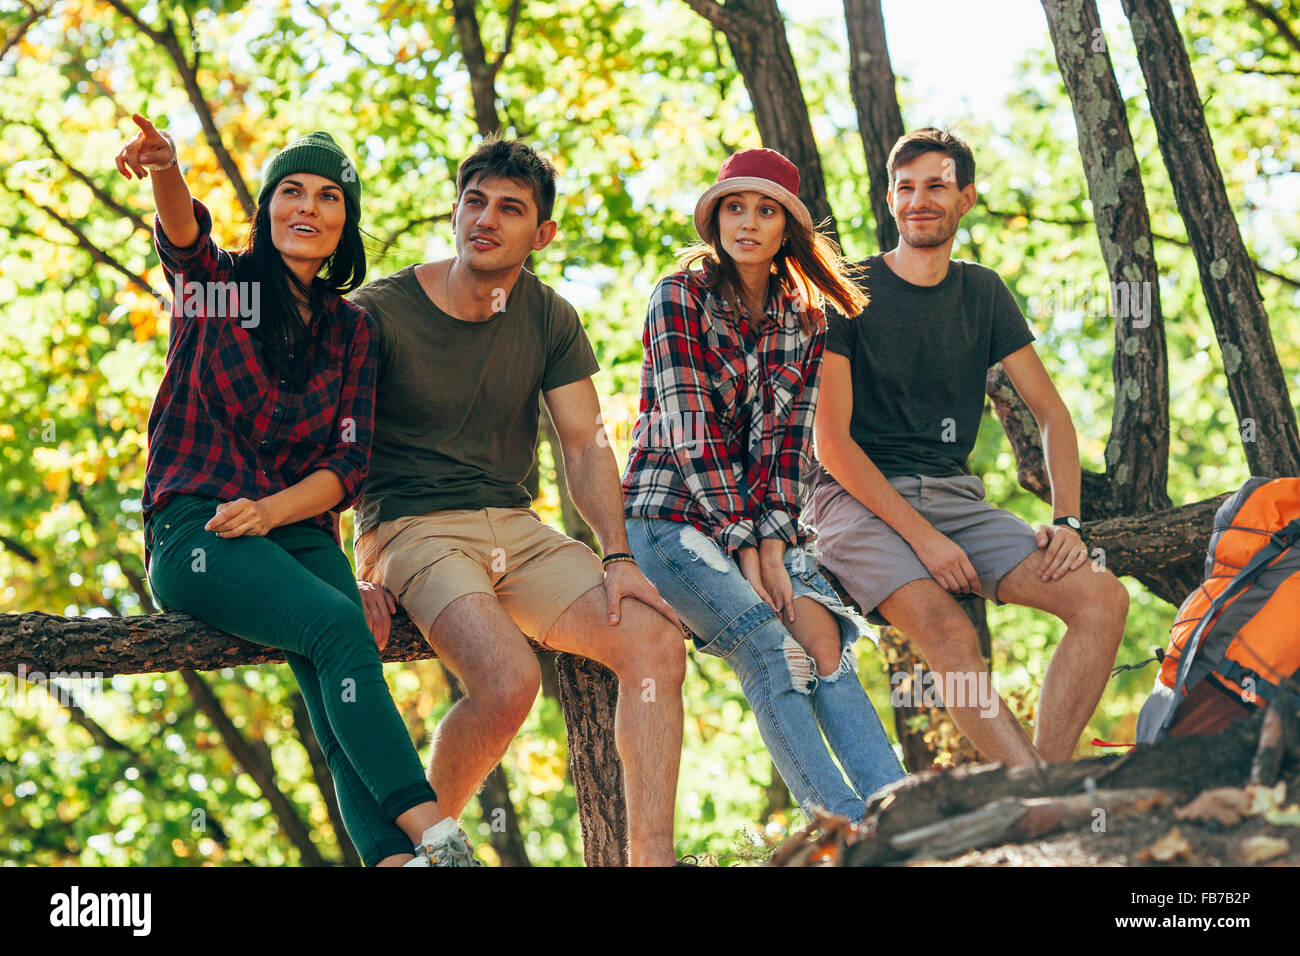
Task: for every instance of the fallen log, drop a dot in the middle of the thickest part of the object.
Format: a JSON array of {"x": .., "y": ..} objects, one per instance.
[
  {"x": 1186, "y": 764},
  {"x": 1015, "y": 820}
]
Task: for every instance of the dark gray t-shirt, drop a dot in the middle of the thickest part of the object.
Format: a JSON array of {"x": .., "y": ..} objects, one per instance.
[
  {"x": 919, "y": 356},
  {"x": 456, "y": 402}
]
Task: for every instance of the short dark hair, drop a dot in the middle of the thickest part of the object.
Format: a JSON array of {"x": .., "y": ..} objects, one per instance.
[
  {"x": 931, "y": 140},
  {"x": 511, "y": 159}
]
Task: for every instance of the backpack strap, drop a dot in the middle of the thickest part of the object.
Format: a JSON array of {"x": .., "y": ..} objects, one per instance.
[
  {"x": 1279, "y": 542},
  {"x": 1265, "y": 689}
]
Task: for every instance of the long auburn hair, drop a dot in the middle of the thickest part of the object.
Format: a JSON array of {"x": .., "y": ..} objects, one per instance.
[
  {"x": 808, "y": 266},
  {"x": 279, "y": 327}
]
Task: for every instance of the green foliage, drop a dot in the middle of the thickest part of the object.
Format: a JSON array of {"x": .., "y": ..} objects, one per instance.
[{"x": 638, "y": 103}]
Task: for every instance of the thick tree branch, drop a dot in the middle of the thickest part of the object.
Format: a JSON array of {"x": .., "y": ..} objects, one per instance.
[
  {"x": 168, "y": 40},
  {"x": 16, "y": 37},
  {"x": 721, "y": 17},
  {"x": 509, "y": 38},
  {"x": 482, "y": 75},
  {"x": 871, "y": 80},
  {"x": 1272, "y": 16},
  {"x": 755, "y": 31},
  {"x": 84, "y": 241},
  {"x": 1256, "y": 383}
]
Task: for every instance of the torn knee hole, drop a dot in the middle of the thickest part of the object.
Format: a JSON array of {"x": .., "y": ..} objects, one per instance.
[
  {"x": 803, "y": 676},
  {"x": 848, "y": 664}
]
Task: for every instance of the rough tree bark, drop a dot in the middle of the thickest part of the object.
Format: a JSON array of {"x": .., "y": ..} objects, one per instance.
[
  {"x": 1137, "y": 452},
  {"x": 1255, "y": 382},
  {"x": 755, "y": 34},
  {"x": 871, "y": 80}
]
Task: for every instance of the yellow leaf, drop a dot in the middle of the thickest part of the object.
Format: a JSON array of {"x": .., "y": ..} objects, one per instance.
[
  {"x": 1169, "y": 847},
  {"x": 1260, "y": 848}
]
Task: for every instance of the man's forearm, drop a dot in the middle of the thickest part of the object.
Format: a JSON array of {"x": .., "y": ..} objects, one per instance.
[
  {"x": 594, "y": 486},
  {"x": 1061, "y": 453},
  {"x": 858, "y": 475}
]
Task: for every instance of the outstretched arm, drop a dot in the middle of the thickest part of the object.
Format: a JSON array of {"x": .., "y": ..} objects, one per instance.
[{"x": 170, "y": 194}]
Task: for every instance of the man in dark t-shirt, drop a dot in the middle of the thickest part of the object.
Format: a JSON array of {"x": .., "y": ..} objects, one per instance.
[
  {"x": 468, "y": 348},
  {"x": 901, "y": 522}
]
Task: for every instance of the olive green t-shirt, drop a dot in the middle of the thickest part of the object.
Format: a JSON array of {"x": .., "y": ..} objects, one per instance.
[{"x": 456, "y": 402}]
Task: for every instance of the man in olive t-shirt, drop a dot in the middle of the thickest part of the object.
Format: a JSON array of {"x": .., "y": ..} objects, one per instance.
[
  {"x": 468, "y": 346},
  {"x": 900, "y": 521}
]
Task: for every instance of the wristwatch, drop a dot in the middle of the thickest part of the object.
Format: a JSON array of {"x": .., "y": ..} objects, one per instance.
[{"x": 1071, "y": 522}]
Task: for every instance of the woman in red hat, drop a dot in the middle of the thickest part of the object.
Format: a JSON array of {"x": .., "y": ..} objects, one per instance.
[{"x": 715, "y": 481}]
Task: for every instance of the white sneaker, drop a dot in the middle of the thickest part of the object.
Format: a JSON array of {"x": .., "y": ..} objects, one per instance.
[{"x": 444, "y": 844}]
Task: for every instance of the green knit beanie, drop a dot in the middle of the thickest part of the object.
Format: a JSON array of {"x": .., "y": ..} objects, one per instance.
[{"x": 315, "y": 153}]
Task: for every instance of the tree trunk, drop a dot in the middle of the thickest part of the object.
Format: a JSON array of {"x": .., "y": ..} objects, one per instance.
[
  {"x": 589, "y": 694},
  {"x": 482, "y": 76},
  {"x": 871, "y": 80},
  {"x": 755, "y": 34},
  {"x": 1255, "y": 381},
  {"x": 1137, "y": 452}
]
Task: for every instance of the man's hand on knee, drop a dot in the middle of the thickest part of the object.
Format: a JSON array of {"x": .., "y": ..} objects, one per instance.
[
  {"x": 623, "y": 579},
  {"x": 1065, "y": 551}
]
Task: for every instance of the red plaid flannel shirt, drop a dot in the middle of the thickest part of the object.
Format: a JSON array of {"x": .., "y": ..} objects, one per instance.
[
  {"x": 725, "y": 426},
  {"x": 223, "y": 424}
]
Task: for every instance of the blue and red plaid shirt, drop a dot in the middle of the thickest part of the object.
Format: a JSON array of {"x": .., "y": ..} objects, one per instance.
[
  {"x": 224, "y": 424},
  {"x": 724, "y": 432}
]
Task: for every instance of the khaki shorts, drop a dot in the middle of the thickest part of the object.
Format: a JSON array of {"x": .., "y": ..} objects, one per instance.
[
  {"x": 427, "y": 561},
  {"x": 873, "y": 561}
]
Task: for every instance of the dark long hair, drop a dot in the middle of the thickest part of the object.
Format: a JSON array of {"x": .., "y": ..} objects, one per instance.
[
  {"x": 285, "y": 344},
  {"x": 808, "y": 266}
]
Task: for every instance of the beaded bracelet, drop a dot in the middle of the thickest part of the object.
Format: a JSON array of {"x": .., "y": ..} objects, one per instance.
[{"x": 617, "y": 556}]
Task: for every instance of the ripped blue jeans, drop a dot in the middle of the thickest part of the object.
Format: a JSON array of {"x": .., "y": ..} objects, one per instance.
[{"x": 792, "y": 704}]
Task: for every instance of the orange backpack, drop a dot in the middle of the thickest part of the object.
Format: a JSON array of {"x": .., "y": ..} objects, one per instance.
[{"x": 1241, "y": 628}]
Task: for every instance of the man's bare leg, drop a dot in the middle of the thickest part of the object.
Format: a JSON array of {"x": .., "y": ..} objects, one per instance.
[
  {"x": 645, "y": 652},
  {"x": 1094, "y": 606},
  {"x": 477, "y": 641},
  {"x": 931, "y": 617}
]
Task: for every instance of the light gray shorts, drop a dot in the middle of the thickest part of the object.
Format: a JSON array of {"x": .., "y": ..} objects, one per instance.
[{"x": 872, "y": 561}]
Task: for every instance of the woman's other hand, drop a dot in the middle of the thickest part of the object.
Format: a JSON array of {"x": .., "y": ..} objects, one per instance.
[
  {"x": 776, "y": 579},
  {"x": 747, "y": 559},
  {"x": 240, "y": 517}
]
